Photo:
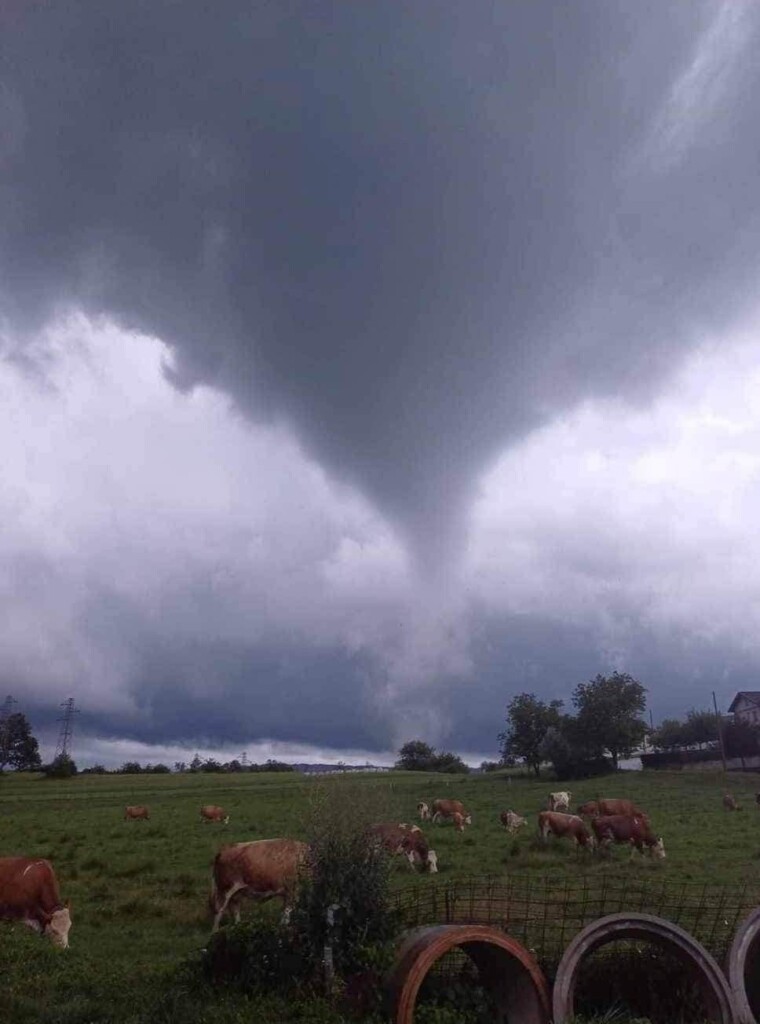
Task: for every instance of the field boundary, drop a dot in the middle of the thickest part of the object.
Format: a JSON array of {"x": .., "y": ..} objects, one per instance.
[{"x": 545, "y": 913}]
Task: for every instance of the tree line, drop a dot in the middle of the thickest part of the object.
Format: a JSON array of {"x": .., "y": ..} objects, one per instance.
[
  {"x": 699, "y": 731},
  {"x": 606, "y": 725}
]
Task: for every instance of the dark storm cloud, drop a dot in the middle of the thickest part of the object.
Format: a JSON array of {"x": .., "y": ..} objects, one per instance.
[{"x": 413, "y": 231}]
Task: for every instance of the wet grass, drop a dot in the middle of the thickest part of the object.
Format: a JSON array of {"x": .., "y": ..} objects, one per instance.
[{"x": 139, "y": 888}]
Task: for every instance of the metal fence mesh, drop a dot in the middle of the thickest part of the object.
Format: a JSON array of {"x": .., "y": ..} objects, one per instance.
[{"x": 545, "y": 913}]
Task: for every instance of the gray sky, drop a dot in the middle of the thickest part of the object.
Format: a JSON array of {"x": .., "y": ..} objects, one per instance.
[{"x": 363, "y": 365}]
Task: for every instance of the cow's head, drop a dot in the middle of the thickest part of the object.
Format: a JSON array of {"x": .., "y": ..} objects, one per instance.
[
  {"x": 658, "y": 849},
  {"x": 227, "y": 820},
  {"x": 57, "y": 928},
  {"x": 468, "y": 819},
  {"x": 432, "y": 862}
]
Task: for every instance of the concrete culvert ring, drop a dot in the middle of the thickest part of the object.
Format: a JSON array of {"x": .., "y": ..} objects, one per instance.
[
  {"x": 505, "y": 967},
  {"x": 708, "y": 978},
  {"x": 744, "y": 968}
]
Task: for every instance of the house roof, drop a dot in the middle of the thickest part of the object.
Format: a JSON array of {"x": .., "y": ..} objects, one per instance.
[{"x": 753, "y": 696}]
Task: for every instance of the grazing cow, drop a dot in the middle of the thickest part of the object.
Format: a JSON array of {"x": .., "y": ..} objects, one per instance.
[
  {"x": 261, "y": 870},
  {"x": 458, "y": 820},
  {"x": 568, "y": 826},
  {"x": 443, "y": 809},
  {"x": 730, "y": 803},
  {"x": 406, "y": 840},
  {"x": 619, "y": 828},
  {"x": 608, "y": 807},
  {"x": 29, "y": 893},
  {"x": 559, "y": 801},
  {"x": 212, "y": 813},
  {"x": 137, "y": 812},
  {"x": 512, "y": 822},
  {"x": 423, "y": 810}
]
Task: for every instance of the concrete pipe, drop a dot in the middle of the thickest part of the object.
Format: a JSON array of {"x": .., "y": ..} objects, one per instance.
[
  {"x": 505, "y": 967},
  {"x": 744, "y": 968},
  {"x": 706, "y": 974}
]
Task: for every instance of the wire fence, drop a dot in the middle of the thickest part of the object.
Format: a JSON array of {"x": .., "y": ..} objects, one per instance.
[{"x": 545, "y": 913}]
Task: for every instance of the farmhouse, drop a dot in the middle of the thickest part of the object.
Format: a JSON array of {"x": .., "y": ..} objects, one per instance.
[{"x": 745, "y": 707}]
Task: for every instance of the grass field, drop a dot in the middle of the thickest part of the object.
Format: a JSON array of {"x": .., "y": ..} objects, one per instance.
[{"x": 139, "y": 889}]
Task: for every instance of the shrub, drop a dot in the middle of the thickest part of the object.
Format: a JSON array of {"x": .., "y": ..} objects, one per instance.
[
  {"x": 259, "y": 955},
  {"x": 350, "y": 873},
  {"x": 62, "y": 767}
]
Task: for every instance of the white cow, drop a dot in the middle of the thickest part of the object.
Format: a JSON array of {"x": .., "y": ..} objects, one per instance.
[
  {"x": 512, "y": 822},
  {"x": 559, "y": 801},
  {"x": 423, "y": 810}
]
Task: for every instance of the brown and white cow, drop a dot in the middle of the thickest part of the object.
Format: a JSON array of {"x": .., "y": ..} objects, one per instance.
[
  {"x": 444, "y": 809},
  {"x": 423, "y": 810},
  {"x": 610, "y": 806},
  {"x": 29, "y": 893},
  {"x": 620, "y": 828},
  {"x": 137, "y": 812},
  {"x": 406, "y": 840},
  {"x": 560, "y": 801},
  {"x": 729, "y": 802},
  {"x": 210, "y": 812},
  {"x": 512, "y": 822},
  {"x": 564, "y": 826},
  {"x": 262, "y": 869}
]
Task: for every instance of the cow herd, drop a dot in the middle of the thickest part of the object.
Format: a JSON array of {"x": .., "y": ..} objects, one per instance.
[
  {"x": 263, "y": 869},
  {"x": 597, "y": 824}
]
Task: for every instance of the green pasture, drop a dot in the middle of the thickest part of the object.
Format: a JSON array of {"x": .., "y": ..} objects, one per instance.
[{"x": 139, "y": 889}]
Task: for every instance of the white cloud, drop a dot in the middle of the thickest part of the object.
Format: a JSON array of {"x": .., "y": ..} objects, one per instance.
[{"x": 616, "y": 513}]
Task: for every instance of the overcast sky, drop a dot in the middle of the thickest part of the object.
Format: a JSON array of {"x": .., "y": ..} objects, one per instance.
[{"x": 363, "y": 365}]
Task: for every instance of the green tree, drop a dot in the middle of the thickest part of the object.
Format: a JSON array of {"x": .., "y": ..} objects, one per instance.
[
  {"x": 416, "y": 756},
  {"x": 18, "y": 747},
  {"x": 528, "y": 720},
  {"x": 61, "y": 767},
  {"x": 701, "y": 727},
  {"x": 450, "y": 763},
  {"x": 609, "y": 710},
  {"x": 669, "y": 735}
]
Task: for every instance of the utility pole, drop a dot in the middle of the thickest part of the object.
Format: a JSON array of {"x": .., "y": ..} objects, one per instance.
[
  {"x": 5, "y": 737},
  {"x": 720, "y": 733},
  {"x": 63, "y": 746}
]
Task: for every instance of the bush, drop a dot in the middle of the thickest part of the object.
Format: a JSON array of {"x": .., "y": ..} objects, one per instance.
[
  {"x": 62, "y": 767},
  {"x": 351, "y": 874},
  {"x": 260, "y": 955}
]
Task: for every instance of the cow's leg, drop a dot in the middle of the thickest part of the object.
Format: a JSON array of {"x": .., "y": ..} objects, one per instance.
[{"x": 236, "y": 888}]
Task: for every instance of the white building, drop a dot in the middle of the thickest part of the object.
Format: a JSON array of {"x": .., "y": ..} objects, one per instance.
[{"x": 745, "y": 707}]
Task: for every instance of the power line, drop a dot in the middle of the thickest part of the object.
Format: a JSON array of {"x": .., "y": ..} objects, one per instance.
[{"x": 63, "y": 746}]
